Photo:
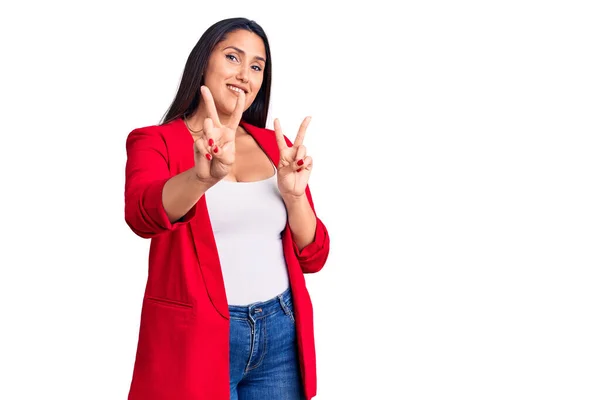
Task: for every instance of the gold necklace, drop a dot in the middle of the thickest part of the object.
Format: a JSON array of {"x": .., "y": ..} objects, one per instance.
[{"x": 190, "y": 129}]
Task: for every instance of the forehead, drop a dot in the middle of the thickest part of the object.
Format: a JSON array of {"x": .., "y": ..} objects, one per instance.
[{"x": 244, "y": 40}]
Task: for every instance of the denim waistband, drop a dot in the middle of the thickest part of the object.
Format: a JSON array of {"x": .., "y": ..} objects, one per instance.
[{"x": 263, "y": 308}]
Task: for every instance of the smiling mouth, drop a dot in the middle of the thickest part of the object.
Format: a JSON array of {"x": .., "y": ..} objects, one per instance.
[{"x": 236, "y": 89}]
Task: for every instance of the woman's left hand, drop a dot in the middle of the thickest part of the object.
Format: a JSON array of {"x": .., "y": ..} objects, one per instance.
[{"x": 294, "y": 166}]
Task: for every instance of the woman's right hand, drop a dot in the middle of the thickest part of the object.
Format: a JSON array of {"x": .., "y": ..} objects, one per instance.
[{"x": 214, "y": 151}]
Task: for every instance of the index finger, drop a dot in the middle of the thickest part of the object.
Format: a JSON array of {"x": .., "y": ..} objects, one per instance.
[
  {"x": 281, "y": 143},
  {"x": 301, "y": 132},
  {"x": 210, "y": 105},
  {"x": 238, "y": 111}
]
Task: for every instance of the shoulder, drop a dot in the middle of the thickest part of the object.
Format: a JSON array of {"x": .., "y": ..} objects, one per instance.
[
  {"x": 162, "y": 129},
  {"x": 166, "y": 133}
]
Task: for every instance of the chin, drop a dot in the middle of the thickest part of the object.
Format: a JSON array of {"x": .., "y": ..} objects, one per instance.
[
  {"x": 228, "y": 106},
  {"x": 225, "y": 107}
]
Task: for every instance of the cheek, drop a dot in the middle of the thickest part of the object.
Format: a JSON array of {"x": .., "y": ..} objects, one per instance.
[{"x": 256, "y": 84}]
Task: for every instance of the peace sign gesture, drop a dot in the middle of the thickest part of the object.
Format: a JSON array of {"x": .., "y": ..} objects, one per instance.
[
  {"x": 215, "y": 149},
  {"x": 294, "y": 165}
]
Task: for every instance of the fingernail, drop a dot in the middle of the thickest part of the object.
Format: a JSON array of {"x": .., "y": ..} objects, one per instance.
[
  {"x": 215, "y": 149},
  {"x": 208, "y": 157},
  {"x": 211, "y": 142},
  {"x": 299, "y": 169},
  {"x": 300, "y": 162}
]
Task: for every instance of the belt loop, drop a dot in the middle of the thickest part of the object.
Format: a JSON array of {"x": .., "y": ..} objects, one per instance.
[{"x": 282, "y": 303}]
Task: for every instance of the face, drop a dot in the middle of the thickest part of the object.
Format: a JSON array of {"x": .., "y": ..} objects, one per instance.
[{"x": 236, "y": 63}]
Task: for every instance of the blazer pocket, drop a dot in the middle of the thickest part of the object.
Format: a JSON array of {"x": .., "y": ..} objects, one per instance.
[{"x": 168, "y": 303}]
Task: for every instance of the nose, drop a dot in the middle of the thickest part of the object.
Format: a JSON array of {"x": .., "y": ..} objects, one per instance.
[{"x": 243, "y": 74}]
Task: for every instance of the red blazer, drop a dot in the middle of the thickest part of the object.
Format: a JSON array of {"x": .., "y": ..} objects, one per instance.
[{"x": 183, "y": 345}]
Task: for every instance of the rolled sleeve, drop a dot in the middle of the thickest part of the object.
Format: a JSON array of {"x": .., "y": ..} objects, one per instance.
[
  {"x": 147, "y": 172},
  {"x": 313, "y": 256}
]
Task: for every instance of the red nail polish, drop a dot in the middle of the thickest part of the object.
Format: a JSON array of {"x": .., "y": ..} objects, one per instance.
[
  {"x": 300, "y": 162},
  {"x": 208, "y": 157},
  {"x": 299, "y": 169},
  {"x": 211, "y": 142},
  {"x": 216, "y": 149}
]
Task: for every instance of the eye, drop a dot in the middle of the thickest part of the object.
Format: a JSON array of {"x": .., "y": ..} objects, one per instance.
[
  {"x": 256, "y": 68},
  {"x": 231, "y": 57}
]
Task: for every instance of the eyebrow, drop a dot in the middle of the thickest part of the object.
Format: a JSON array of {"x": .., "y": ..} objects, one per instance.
[{"x": 243, "y": 52}]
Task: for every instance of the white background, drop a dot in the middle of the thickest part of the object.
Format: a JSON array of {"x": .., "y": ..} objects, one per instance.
[{"x": 456, "y": 166}]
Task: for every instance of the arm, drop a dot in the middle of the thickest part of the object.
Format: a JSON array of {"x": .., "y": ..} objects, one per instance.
[
  {"x": 309, "y": 234},
  {"x": 302, "y": 220},
  {"x": 155, "y": 201},
  {"x": 181, "y": 193}
]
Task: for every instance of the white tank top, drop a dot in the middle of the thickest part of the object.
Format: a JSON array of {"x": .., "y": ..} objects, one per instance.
[{"x": 247, "y": 220}]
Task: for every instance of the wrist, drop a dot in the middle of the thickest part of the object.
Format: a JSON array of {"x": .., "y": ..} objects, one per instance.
[
  {"x": 205, "y": 183},
  {"x": 291, "y": 200}
]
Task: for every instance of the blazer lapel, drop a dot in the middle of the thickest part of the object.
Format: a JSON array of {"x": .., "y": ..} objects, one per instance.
[{"x": 265, "y": 139}]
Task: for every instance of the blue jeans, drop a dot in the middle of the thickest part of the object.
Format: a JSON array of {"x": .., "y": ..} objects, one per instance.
[{"x": 263, "y": 357}]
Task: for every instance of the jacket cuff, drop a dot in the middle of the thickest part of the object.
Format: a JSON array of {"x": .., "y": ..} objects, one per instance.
[{"x": 312, "y": 248}]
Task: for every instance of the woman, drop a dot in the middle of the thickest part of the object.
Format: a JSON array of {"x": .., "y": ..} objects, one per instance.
[{"x": 226, "y": 312}]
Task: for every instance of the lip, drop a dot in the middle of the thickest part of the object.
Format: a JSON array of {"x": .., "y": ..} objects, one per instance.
[{"x": 239, "y": 87}]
